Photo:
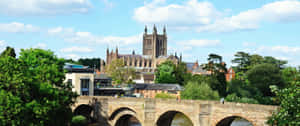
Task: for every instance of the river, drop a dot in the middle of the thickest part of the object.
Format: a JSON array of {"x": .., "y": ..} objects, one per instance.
[{"x": 182, "y": 120}]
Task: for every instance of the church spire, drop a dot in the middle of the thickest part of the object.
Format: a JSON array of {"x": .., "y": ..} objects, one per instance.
[
  {"x": 164, "y": 30},
  {"x": 154, "y": 29},
  {"x": 145, "y": 29},
  {"x": 117, "y": 50}
]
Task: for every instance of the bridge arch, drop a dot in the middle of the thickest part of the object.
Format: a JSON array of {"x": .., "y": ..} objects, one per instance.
[
  {"x": 85, "y": 110},
  {"x": 166, "y": 118},
  {"x": 124, "y": 117},
  {"x": 228, "y": 120}
]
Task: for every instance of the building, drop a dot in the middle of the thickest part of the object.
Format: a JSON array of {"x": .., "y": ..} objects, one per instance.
[
  {"x": 85, "y": 81},
  {"x": 154, "y": 52},
  {"x": 230, "y": 75},
  {"x": 150, "y": 90},
  {"x": 195, "y": 68}
]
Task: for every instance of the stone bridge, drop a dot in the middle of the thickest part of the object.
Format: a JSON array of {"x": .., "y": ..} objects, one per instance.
[{"x": 110, "y": 111}]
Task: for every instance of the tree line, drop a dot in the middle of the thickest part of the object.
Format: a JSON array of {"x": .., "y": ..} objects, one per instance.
[
  {"x": 32, "y": 91},
  {"x": 258, "y": 80}
]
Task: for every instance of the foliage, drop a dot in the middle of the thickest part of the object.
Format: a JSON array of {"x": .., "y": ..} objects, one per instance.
[
  {"x": 165, "y": 96},
  {"x": 246, "y": 61},
  {"x": 165, "y": 73},
  {"x": 91, "y": 62},
  {"x": 242, "y": 60},
  {"x": 8, "y": 52},
  {"x": 181, "y": 73},
  {"x": 263, "y": 75},
  {"x": 290, "y": 75},
  {"x": 289, "y": 112},
  {"x": 119, "y": 73},
  {"x": 239, "y": 88},
  {"x": 218, "y": 69},
  {"x": 79, "y": 120},
  {"x": 195, "y": 90},
  {"x": 32, "y": 91},
  {"x": 234, "y": 98}
]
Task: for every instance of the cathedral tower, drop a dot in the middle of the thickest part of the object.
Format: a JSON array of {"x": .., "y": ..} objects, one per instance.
[{"x": 155, "y": 44}]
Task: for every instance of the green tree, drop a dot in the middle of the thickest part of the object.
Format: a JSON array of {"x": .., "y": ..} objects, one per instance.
[
  {"x": 32, "y": 91},
  {"x": 218, "y": 70},
  {"x": 256, "y": 59},
  {"x": 194, "y": 90},
  {"x": 290, "y": 75},
  {"x": 263, "y": 75},
  {"x": 181, "y": 73},
  {"x": 8, "y": 52},
  {"x": 119, "y": 73},
  {"x": 271, "y": 60},
  {"x": 91, "y": 62},
  {"x": 289, "y": 112},
  {"x": 242, "y": 60},
  {"x": 165, "y": 73}
]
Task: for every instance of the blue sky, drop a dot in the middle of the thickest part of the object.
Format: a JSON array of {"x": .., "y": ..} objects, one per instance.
[{"x": 85, "y": 28}]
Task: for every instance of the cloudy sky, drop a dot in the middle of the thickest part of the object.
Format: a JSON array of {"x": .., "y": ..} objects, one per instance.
[{"x": 195, "y": 28}]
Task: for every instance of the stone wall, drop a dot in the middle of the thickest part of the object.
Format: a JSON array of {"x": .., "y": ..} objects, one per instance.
[{"x": 150, "y": 111}]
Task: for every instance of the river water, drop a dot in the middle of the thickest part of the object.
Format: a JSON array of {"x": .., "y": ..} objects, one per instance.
[{"x": 182, "y": 120}]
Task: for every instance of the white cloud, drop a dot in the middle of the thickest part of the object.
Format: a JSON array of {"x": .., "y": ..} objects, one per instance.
[
  {"x": 72, "y": 56},
  {"x": 279, "y": 11},
  {"x": 71, "y": 35},
  {"x": 2, "y": 43},
  {"x": 201, "y": 43},
  {"x": 204, "y": 17},
  {"x": 40, "y": 45},
  {"x": 77, "y": 49},
  {"x": 16, "y": 27},
  {"x": 189, "y": 13},
  {"x": 43, "y": 7},
  {"x": 279, "y": 49},
  {"x": 249, "y": 44},
  {"x": 108, "y": 4}
]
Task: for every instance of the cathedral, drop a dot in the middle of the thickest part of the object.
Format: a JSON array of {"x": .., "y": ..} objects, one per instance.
[{"x": 154, "y": 52}]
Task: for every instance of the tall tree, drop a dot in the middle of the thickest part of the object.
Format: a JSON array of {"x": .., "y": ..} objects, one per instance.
[
  {"x": 218, "y": 69},
  {"x": 8, "y": 52},
  {"x": 119, "y": 73},
  {"x": 278, "y": 63},
  {"x": 242, "y": 60},
  {"x": 32, "y": 91},
  {"x": 165, "y": 73},
  {"x": 263, "y": 75},
  {"x": 181, "y": 73}
]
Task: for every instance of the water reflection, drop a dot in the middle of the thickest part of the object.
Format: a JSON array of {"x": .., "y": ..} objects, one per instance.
[
  {"x": 241, "y": 122},
  {"x": 181, "y": 120}
]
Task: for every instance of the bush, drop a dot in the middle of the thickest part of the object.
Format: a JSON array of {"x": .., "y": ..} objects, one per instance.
[
  {"x": 79, "y": 120},
  {"x": 165, "y": 96},
  {"x": 195, "y": 90},
  {"x": 234, "y": 98}
]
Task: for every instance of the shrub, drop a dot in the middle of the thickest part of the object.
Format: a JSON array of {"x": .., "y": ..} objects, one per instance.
[
  {"x": 79, "y": 120},
  {"x": 165, "y": 96}
]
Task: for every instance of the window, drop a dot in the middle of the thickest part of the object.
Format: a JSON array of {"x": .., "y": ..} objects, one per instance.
[{"x": 84, "y": 83}]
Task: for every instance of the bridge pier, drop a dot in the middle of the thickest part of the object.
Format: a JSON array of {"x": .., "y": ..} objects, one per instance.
[{"x": 149, "y": 112}]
